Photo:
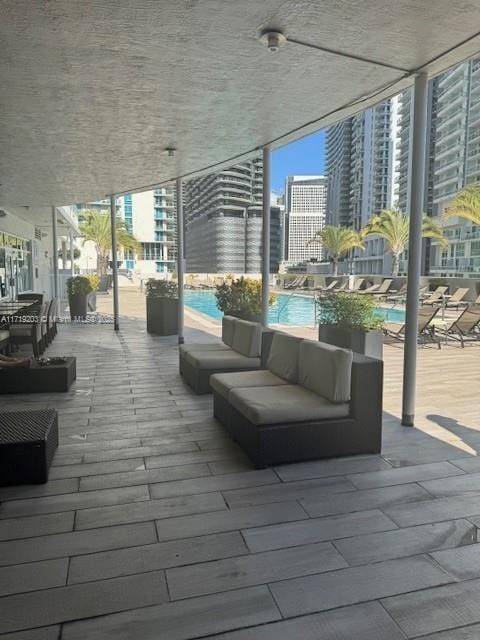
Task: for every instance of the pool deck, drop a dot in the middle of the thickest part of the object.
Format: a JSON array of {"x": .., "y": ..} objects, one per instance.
[{"x": 154, "y": 525}]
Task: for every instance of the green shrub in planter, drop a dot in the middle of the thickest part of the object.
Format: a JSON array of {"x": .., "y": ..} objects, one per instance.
[
  {"x": 242, "y": 298},
  {"x": 349, "y": 320},
  {"x": 78, "y": 288},
  {"x": 162, "y": 307}
]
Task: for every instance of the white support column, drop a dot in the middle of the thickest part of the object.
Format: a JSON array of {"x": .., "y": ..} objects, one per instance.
[
  {"x": 180, "y": 261},
  {"x": 416, "y": 201},
  {"x": 72, "y": 252},
  {"x": 113, "y": 221},
  {"x": 56, "y": 287},
  {"x": 266, "y": 236}
]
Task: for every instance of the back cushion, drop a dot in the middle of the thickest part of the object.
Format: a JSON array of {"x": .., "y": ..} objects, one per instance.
[
  {"x": 284, "y": 356},
  {"x": 326, "y": 370},
  {"x": 228, "y": 330},
  {"x": 247, "y": 338}
]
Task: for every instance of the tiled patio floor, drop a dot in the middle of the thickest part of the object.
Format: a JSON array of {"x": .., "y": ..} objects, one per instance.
[{"x": 154, "y": 526}]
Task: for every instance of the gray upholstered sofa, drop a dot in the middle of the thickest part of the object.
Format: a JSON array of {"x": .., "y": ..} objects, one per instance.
[
  {"x": 314, "y": 401},
  {"x": 244, "y": 347}
]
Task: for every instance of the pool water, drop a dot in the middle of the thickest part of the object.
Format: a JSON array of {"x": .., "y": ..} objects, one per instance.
[{"x": 289, "y": 309}]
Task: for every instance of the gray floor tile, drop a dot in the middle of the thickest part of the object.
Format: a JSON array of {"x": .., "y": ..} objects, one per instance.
[
  {"x": 463, "y": 564},
  {"x": 73, "y": 602},
  {"x": 402, "y": 455},
  {"x": 228, "y": 520},
  {"x": 407, "y": 542},
  {"x": 76, "y": 543},
  {"x": 364, "y": 499},
  {"x": 433, "y": 610},
  {"x": 155, "y": 462},
  {"x": 216, "y": 483},
  {"x": 460, "y": 485},
  {"x": 435, "y": 510},
  {"x": 53, "y": 487},
  {"x": 45, "y": 633},
  {"x": 470, "y": 465},
  {"x": 325, "y": 468},
  {"x": 465, "y": 633},
  {"x": 367, "y": 621},
  {"x": 17, "y": 528},
  {"x": 249, "y": 570},
  {"x": 140, "y": 452},
  {"x": 155, "y": 556},
  {"x": 71, "y": 501},
  {"x": 291, "y": 534},
  {"x": 145, "y": 476},
  {"x": 286, "y": 491},
  {"x": 402, "y": 475},
  {"x": 96, "y": 468},
  {"x": 356, "y": 584},
  {"x": 182, "y": 620},
  {"x": 31, "y": 577},
  {"x": 149, "y": 510}
]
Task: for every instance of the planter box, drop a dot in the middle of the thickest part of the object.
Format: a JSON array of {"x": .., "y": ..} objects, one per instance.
[
  {"x": 78, "y": 307},
  {"x": 245, "y": 316},
  {"x": 162, "y": 316},
  {"x": 368, "y": 343}
]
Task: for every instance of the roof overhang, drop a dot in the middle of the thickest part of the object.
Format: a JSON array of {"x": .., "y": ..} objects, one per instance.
[{"x": 94, "y": 92}]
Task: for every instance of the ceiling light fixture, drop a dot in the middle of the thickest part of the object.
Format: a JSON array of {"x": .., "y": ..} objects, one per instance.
[{"x": 273, "y": 40}]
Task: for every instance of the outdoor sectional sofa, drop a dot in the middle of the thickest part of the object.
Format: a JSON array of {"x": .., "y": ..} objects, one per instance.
[
  {"x": 314, "y": 401},
  {"x": 244, "y": 347}
]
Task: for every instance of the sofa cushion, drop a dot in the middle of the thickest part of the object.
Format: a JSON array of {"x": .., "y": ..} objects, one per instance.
[
  {"x": 4, "y": 335},
  {"x": 221, "y": 360},
  {"x": 326, "y": 370},
  {"x": 283, "y": 404},
  {"x": 206, "y": 346},
  {"x": 228, "y": 330},
  {"x": 284, "y": 355},
  {"x": 223, "y": 383},
  {"x": 247, "y": 338}
]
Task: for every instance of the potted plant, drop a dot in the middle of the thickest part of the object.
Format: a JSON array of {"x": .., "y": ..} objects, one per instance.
[
  {"x": 349, "y": 320},
  {"x": 78, "y": 288},
  {"x": 92, "y": 296},
  {"x": 162, "y": 307},
  {"x": 242, "y": 298}
]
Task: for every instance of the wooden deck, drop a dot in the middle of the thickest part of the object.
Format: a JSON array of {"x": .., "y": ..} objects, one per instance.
[{"x": 154, "y": 526}]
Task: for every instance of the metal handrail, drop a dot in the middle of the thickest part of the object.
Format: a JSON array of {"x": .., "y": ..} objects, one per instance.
[{"x": 285, "y": 305}]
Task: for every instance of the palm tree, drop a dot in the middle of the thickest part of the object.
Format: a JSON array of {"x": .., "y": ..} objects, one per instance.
[
  {"x": 95, "y": 226},
  {"x": 394, "y": 227},
  {"x": 466, "y": 205},
  {"x": 338, "y": 241}
]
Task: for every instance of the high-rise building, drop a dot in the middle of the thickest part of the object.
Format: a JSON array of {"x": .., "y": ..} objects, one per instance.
[
  {"x": 223, "y": 221},
  {"x": 361, "y": 173},
  {"x": 456, "y": 164},
  {"x": 338, "y": 158},
  {"x": 305, "y": 211}
]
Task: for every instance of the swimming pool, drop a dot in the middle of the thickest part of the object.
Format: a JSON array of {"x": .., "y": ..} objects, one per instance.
[{"x": 296, "y": 309}]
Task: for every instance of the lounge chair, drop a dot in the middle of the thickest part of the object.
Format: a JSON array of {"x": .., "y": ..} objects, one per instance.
[
  {"x": 357, "y": 284},
  {"x": 425, "y": 328},
  {"x": 435, "y": 297},
  {"x": 341, "y": 287},
  {"x": 331, "y": 286},
  {"x": 371, "y": 289},
  {"x": 463, "y": 328},
  {"x": 296, "y": 282},
  {"x": 401, "y": 293},
  {"x": 383, "y": 288},
  {"x": 457, "y": 298}
]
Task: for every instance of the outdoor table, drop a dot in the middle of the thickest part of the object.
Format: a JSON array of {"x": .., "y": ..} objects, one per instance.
[{"x": 444, "y": 305}]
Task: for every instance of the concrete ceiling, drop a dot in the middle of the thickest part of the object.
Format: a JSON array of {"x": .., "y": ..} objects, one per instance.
[{"x": 93, "y": 91}]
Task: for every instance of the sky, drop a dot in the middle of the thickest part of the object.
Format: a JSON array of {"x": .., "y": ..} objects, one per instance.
[{"x": 304, "y": 157}]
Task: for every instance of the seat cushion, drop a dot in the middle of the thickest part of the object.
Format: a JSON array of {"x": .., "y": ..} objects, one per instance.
[
  {"x": 228, "y": 330},
  {"x": 4, "y": 335},
  {"x": 326, "y": 370},
  {"x": 223, "y": 383},
  {"x": 247, "y": 338},
  {"x": 207, "y": 346},
  {"x": 283, "y": 404},
  {"x": 284, "y": 355},
  {"x": 221, "y": 360}
]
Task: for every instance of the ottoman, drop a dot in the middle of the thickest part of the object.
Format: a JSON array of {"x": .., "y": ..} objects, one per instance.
[
  {"x": 28, "y": 441},
  {"x": 39, "y": 379}
]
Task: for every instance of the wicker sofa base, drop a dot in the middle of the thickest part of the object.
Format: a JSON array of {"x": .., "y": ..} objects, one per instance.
[{"x": 28, "y": 441}]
